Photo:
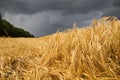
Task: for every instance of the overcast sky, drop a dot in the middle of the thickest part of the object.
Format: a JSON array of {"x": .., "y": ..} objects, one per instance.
[{"x": 43, "y": 17}]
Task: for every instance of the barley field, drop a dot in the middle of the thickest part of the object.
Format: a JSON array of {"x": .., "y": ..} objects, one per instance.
[{"x": 88, "y": 53}]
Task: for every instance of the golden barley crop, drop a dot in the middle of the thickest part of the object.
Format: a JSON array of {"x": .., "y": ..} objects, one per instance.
[{"x": 89, "y": 53}]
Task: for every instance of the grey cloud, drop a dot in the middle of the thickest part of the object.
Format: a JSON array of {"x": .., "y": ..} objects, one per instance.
[
  {"x": 42, "y": 17},
  {"x": 116, "y": 3},
  {"x": 39, "y": 24},
  {"x": 16, "y": 6},
  {"x": 113, "y": 9},
  {"x": 67, "y": 6},
  {"x": 112, "y": 12},
  {"x": 49, "y": 22}
]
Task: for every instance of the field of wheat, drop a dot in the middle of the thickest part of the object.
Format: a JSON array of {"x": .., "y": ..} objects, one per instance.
[{"x": 89, "y": 53}]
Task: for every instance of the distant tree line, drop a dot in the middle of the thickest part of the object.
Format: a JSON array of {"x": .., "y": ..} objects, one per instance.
[{"x": 8, "y": 30}]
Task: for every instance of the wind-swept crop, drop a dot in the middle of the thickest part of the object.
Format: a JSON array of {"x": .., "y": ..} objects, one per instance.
[{"x": 89, "y": 53}]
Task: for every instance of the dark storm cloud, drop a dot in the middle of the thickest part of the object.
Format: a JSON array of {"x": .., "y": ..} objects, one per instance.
[
  {"x": 42, "y": 17},
  {"x": 113, "y": 9},
  {"x": 67, "y": 6},
  {"x": 112, "y": 12},
  {"x": 116, "y": 3},
  {"x": 48, "y": 22},
  {"x": 17, "y": 6}
]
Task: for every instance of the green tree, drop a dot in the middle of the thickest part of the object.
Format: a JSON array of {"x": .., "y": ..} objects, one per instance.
[{"x": 7, "y": 29}]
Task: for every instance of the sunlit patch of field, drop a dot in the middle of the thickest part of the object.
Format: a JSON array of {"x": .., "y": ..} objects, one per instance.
[{"x": 89, "y": 53}]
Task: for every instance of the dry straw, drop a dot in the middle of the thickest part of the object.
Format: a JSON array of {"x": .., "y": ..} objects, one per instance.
[{"x": 89, "y": 53}]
